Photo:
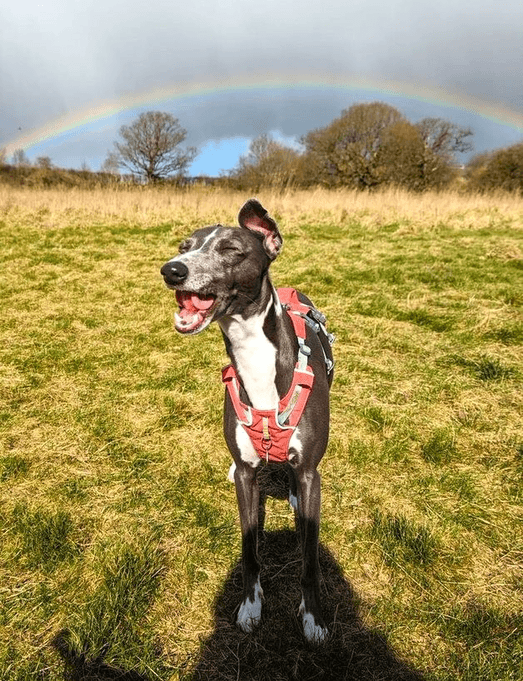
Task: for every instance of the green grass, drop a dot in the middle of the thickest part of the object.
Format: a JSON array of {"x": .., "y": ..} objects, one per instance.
[
  {"x": 120, "y": 539},
  {"x": 404, "y": 542},
  {"x": 439, "y": 448},
  {"x": 45, "y": 537}
]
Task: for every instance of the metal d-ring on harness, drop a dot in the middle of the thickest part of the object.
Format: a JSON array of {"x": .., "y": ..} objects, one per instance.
[{"x": 270, "y": 430}]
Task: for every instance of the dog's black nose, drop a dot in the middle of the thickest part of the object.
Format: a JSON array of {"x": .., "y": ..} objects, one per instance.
[{"x": 174, "y": 272}]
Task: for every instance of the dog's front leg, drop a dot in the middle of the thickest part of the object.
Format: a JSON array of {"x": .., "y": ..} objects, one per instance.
[
  {"x": 247, "y": 492},
  {"x": 309, "y": 501}
]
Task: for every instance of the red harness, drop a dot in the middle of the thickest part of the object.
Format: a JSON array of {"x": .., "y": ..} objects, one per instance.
[{"x": 270, "y": 430}]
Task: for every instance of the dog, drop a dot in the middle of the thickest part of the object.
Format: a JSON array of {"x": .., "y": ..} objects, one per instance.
[{"x": 277, "y": 386}]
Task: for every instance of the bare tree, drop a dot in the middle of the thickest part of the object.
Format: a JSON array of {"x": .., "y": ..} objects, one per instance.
[
  {"x": 20, "y": 158},
  {"x": 111, "y": 164},
  {"x": 268, "y": 164},
  {"x": 444, "y": 138},
  {"x": 3, "y": 156},
  {"x": 150, "y": 146}
]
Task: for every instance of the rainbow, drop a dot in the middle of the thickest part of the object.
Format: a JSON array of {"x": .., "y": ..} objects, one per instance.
[{"x": 496, "y": 113}]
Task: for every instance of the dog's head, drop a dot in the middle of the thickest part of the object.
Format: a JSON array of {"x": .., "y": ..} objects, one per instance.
[{"x": 219, "y": 270}]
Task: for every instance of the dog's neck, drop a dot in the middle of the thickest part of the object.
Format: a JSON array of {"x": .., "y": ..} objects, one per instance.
[{"x": 262, "y": 346}]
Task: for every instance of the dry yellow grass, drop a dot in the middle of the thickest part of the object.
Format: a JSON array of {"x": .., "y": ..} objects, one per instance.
[{"x": 148, "y": 205}]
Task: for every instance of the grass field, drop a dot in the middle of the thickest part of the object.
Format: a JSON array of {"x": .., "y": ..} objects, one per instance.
[{"x": 120, "y": 542}]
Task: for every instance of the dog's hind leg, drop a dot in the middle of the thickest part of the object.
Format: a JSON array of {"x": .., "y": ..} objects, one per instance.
[
  {"x": 293, "y": 492},
  {"x": 248, "y": 495}
]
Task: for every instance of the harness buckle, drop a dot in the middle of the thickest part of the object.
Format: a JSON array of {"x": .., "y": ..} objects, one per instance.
[
  {"x": 317, "y": 315},
  {"x": 266, "y": 441}
]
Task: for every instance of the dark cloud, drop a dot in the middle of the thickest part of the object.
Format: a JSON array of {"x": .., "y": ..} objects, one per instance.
[{"x": 61, "y": 57}]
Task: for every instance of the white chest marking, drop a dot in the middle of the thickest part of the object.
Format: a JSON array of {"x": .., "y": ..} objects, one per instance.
[{"x": 255, "y": 358}]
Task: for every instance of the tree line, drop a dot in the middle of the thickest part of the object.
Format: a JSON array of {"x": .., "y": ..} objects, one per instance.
[
  {"x": 373, "y": 145},
  {"x": 370, "y": 145}
]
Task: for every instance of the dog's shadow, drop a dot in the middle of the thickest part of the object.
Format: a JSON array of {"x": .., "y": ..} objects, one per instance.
[{"x": 277, "y": 649}]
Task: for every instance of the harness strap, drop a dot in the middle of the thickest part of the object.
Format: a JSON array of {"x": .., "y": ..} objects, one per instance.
[
  {"x": 243, "y": 411},
  {"x": 290, "y": 407},
  {"x": 270, "y": 430}
]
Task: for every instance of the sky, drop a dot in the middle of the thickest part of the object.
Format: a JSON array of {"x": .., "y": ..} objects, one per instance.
[{"x": 71, "y": 73}]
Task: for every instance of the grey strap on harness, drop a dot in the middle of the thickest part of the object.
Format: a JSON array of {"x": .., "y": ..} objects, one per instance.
[
  {"x": 303, "y": 359},
  {"x": 317, "y": 324}
]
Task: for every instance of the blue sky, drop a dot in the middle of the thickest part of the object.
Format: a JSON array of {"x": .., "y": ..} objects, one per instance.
[
  {"x": 218, "y": 156},
  {"x": 57, "y": 58}
]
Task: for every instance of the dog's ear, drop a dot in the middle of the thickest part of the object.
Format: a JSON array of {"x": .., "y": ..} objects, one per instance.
[{"x": 253, "y": 216}]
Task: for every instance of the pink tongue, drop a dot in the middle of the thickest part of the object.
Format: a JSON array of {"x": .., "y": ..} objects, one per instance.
[
  {"x": 191, "y": 304},
  {"x": 201, "y": 303}
]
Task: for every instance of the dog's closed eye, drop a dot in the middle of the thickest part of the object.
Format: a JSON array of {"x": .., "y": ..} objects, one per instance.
[
  {"x": 184, "y": 247},
  {"x": 231, "y": 248}
]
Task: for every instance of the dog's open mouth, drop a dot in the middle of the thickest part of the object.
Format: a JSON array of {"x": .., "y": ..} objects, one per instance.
[{"x": 195, "y": 311}]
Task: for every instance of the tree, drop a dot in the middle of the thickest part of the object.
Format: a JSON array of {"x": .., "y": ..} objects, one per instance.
[
  {"x": 3, "y": 156},
  {"x": 444, "y": 138},
  {"x": 373, "y": 144},
  {"x": 401, "y": 155},
  {"x": 44, "y": 162},
  {"x": 111, "y": 163},
  {"x": 345, "y": 152},
  {"x": 501, "y": 169},
  {"x": 20, "y": 158},
  {"x": 150, "y": 146},
  {"x": 268, "y": 164},
  {"x": 476, "y": 169}
]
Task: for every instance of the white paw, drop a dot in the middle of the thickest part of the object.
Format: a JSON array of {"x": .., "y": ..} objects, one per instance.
[
  {"x": 293, "y": 501},
  {"x": 230, "y": 474},
  {"x": 314, "y": 633},
  {"x": 249, "y": 615}
]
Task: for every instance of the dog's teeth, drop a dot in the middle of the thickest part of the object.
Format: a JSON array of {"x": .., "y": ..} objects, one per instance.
[{"x": 184, "y": 321}]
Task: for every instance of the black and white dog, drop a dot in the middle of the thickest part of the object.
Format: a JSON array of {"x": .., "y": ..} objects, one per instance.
[{"x": 222, "y": 274}]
